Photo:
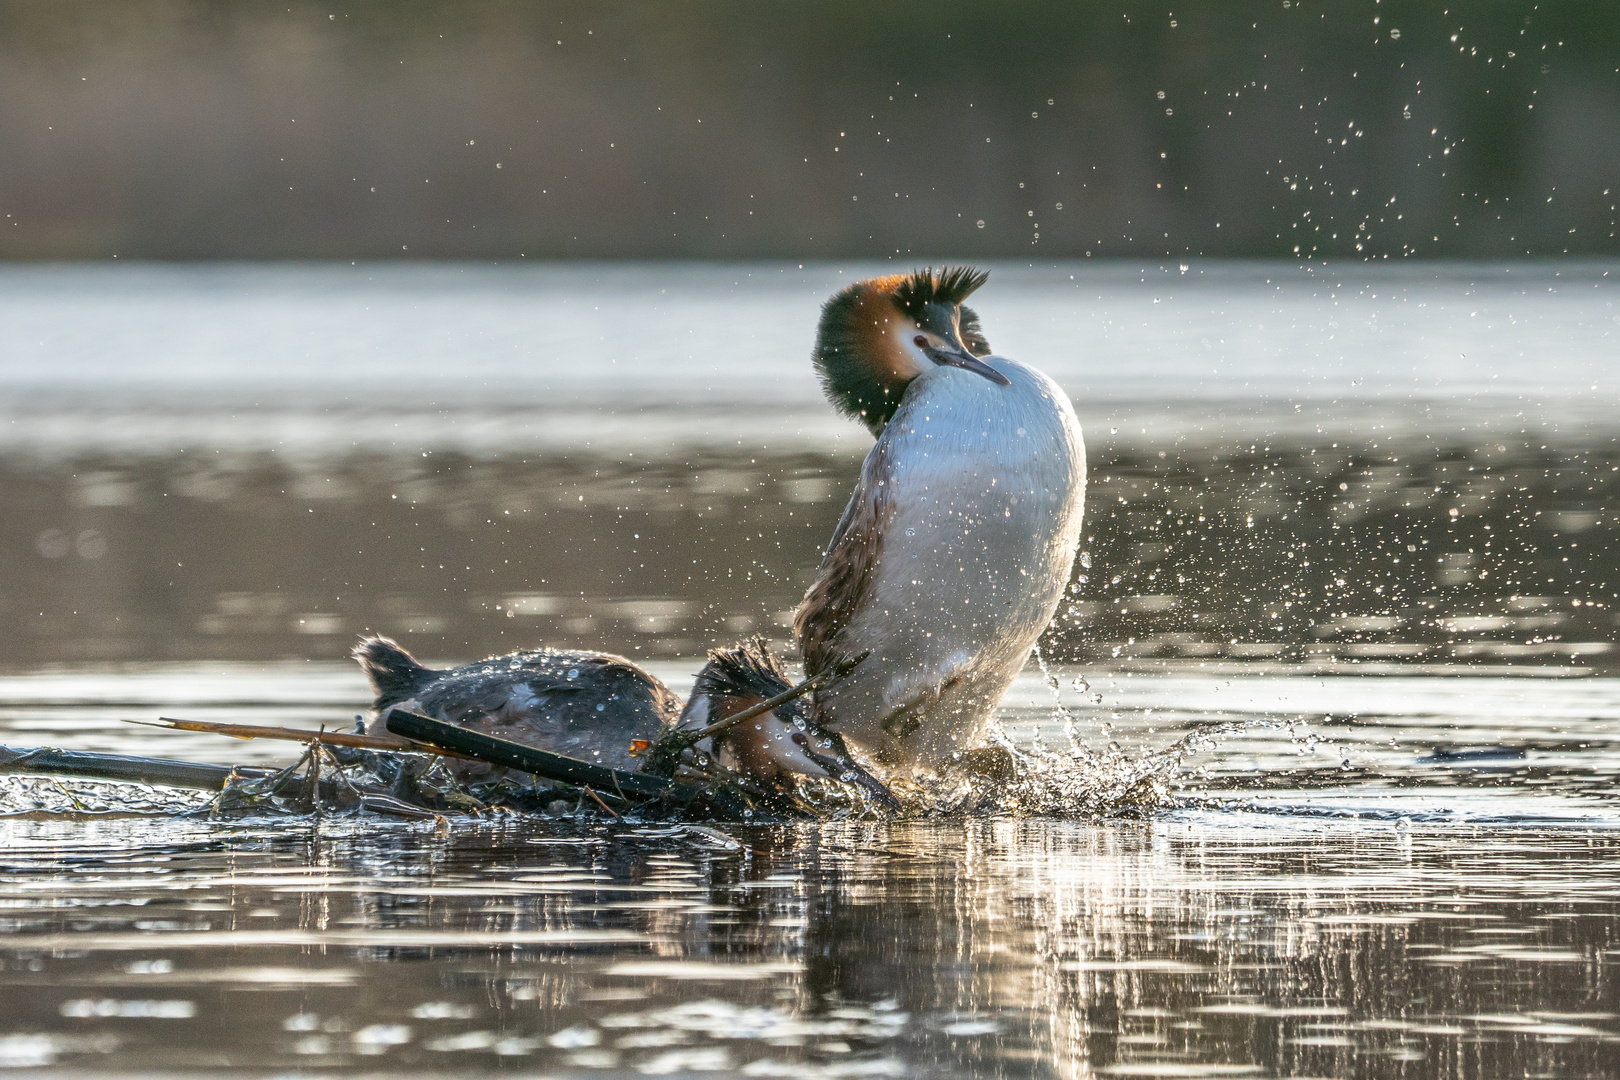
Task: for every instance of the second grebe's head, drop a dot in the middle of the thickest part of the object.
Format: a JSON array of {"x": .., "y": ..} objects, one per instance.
[
  {"x": 879, "y": 334},
  {"x": 774, "y": 744},
  {"x": 738, "y": 678}
]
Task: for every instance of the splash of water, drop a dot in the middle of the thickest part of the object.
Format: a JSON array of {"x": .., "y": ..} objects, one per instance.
[
  {"x": 1072, "y": 780},
  {"x": 1084, "y": 783}
]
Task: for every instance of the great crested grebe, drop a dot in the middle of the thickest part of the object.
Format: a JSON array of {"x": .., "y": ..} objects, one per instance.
[
  {"x": 773, "y": 745},
  {"x": 596, "y": 706},
  {"x": 958, "y": 542}
]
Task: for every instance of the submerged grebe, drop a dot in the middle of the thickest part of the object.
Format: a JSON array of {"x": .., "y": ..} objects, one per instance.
[
  {"x": 597, "y": 706},
  {"x": 959, "y": 539}
]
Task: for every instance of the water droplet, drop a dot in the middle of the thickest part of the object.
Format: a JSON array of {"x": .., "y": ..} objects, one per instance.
[
  {"x": 52, "y": 543},
  {"x": 573, "y": 673},
  {"x": 90, "y": 544}
]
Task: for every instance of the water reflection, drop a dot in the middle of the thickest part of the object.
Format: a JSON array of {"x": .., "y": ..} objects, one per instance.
[
  {"x": 1391, "y": 875},
  {"x": 1410, "y": 549},
  {"x": 1032, "y": 948},
  {"x": 1319, "y": 465}
]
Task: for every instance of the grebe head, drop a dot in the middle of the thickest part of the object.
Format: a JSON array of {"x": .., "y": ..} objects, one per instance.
[
  {"x": 879, "y": 334},
  {"x": 738, "y": 678},
  {"x": 785, "y": 740}
]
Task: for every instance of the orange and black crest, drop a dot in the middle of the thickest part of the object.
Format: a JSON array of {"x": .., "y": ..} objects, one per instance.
[
  {"x": 856, "y": 356},
  {"x": 947, "y": 285},
  {"x": 746, "y": 670}
]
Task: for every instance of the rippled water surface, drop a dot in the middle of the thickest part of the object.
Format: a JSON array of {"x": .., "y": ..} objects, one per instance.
[
  {"x": 1351, "y": 545},
  {"x": 1378, "y": 876}
]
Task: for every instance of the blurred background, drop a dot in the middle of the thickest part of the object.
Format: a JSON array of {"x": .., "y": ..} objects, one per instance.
[
  {"x": 487, "y": 324},
  {"x": 722, "y": 129}
]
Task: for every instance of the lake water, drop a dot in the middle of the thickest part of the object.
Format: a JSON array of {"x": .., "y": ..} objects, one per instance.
[{"x": 1357, "y": 522}]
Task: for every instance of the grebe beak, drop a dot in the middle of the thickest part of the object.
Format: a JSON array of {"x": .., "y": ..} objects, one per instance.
[
  {"x": 960, "y": 357},
  {"x": 945, "y": 322}
]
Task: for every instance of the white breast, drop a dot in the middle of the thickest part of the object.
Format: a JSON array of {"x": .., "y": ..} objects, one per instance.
[{"x": 985, "y": 492}]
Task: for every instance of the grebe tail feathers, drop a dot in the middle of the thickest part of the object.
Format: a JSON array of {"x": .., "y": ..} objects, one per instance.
[{"x": 394, "y": 673}]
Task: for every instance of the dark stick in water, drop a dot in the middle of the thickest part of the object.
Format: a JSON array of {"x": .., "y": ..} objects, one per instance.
[
  {"x": 563, "y": 769},
  {"x": 498, "y": 751}
]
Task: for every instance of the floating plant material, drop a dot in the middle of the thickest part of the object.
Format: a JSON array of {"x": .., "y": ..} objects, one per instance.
[
  {"x": 409, "y": 777},
  {"x": 404, "y": 773},
  {"x": 324, "y": 737},
  {"x": 721, "y": 796},
  {"x": 1002, "y": 778}
]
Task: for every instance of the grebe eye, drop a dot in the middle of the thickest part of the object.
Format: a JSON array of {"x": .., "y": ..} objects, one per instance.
[{"x": 920, "y": 341}]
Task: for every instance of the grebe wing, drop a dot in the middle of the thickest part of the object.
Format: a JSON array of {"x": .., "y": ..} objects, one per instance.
[
  {"x": 846, "y": 574},
  {"x": 503, "y": 697}
]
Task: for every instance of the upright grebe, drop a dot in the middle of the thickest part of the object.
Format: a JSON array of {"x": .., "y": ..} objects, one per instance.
[{"x": 958, "y": 542}]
